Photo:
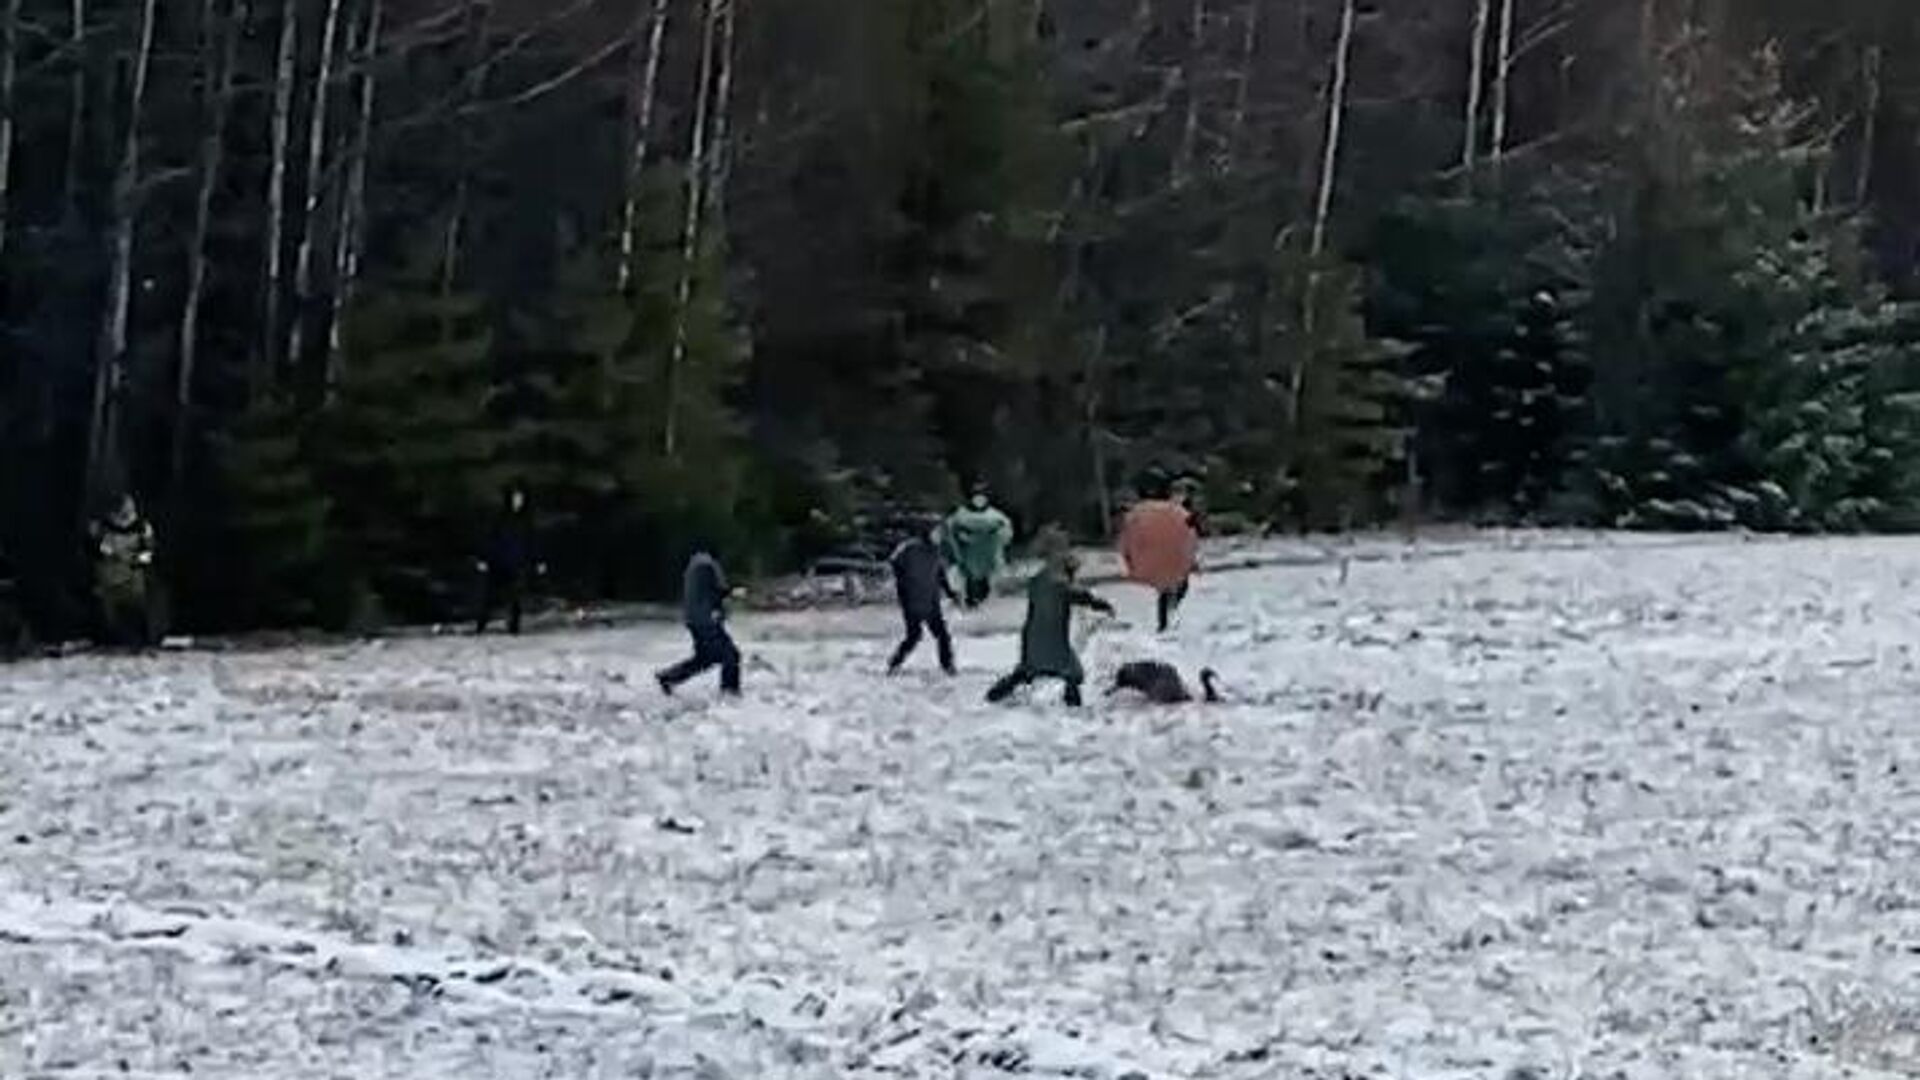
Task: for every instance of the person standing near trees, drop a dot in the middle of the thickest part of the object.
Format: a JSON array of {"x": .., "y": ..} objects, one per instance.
[
  {"x": 1160, "y": 543},
  {"x": 975, "y": 539},
  {"x": 703, "y": 598},
  {"x": 920, "y": 580},
  {"x": 123, "y": 562},
  {"x": 1046, "y": 642},
  {"x": 504, "y": 564}
]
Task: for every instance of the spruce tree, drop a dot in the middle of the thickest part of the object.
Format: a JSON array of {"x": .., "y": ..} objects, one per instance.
[
  {"x": 272, "y": 536},
  {"x": 410, "y": 447}
]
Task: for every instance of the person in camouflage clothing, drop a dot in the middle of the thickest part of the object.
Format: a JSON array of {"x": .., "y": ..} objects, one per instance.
[{"x": 123, "y": 561}]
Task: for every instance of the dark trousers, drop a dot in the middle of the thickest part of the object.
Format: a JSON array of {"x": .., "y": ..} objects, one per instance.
[
  {"x": 1020, "y": 677},
  {"x": 1170, "y": 602},
  {"x": 917, "y": 623},
  {"x": 497, "y": 590},
  {"x": 712, "y": 647},
  {"x": 976, "y": 591}
]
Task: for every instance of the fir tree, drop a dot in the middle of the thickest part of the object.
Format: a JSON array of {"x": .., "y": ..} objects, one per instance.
[
  {"x": 411, "y": 451},
  {"x": 273, "y": 534}
]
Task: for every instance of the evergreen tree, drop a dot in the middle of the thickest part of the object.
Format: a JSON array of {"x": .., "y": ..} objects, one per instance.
[
  {"x": 272, "y": 539},
  {"x": 410, "y": 450},
  {"x": 1488, "y": 293}
]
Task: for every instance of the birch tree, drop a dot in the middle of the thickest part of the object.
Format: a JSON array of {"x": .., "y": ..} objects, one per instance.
[
  {"x": 220, "y": 49},
  {"x": 1503, "y": 80},
  {"x": 1870, "y": 65},
  {"x": 473, "y": 84},
  {"x": 720, "y": 157},
  {"x": 9, "y": 69},
  {"x": 653, "y": 30},
  {"x": 351, "y": 223},
  {"x": 696, "y": 202},
  {"x": 1476, "y": 75},
  {"x": 275, "y": 243},
  {"x": 76, "y": 105},
  {"x": 110, "y": 360},
  {"x": 304, "y": 302},
  {"x": 1190, "y": 127},
  {"x": 1323, "y": 201}
]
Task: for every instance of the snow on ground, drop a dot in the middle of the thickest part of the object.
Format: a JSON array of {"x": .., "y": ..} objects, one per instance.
[{"x": 1633, "y": 810}]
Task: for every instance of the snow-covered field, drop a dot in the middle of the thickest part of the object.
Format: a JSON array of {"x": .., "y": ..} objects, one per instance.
[{"x": 1636, "y": 809}]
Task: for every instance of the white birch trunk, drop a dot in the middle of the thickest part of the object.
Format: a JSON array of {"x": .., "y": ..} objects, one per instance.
[
  {"x": 1476, "y": 77},
  {"x": 1869, "y": 124},
  {"x": 1190, "y": 129},
  {"x": 222, "y": 59},
  {"x": 282, "y": 133},
  {"x": 1336, "y": 123},
  {"x": 720, "y": 156},
  {"x": 654, "y": 30},
  {"x": 475, "y": 84},
  {"x": 1503, "y": 80},
  {"x": 303, "y": 288},
  {"x": 9, "y": 66},
  {"x": 1323, "y": 205},
  {"x": 690, "y": 232},
  {"x": 353, "y": 205},
  {"x": 1243, "y": 94},
  {"x": 77, "y": 118},
  {"x": 109, "y": 370}
]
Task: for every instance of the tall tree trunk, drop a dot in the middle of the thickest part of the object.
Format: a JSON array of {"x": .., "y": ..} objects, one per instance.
[
  {"x": 1190, "y": 130},
  {"x": 720, "y": 157},
  {"x": 222, "y": 52},
  {"x": 9, "y": 63},
  {"x": 1503, "y": 81},
  {"x": 1323, "y": 204},
  {"x": 77, "y": 117},
  {"x": 351, "y": 225},
  {"x": 103, "y": 463},
  {"x": 275, "y": 242},
  {"x": 1243, "y": 92},
  {"x": 304, "y": 304},
  {"x": 1870, "y": 65},
  {"x": 1336, "y": 126},
  {"x": 653, "y": 29},
  {"x": 474, "y": 83},
  {"x": 1476, "y": 79},
  {"x": 696, "y": 202}
]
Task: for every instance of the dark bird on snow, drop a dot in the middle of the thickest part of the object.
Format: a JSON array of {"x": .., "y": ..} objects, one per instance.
[{"x": 1161, "y": 684}]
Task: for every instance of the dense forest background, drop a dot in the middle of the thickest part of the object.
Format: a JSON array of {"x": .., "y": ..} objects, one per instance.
[{"x": 314, "y": 279}]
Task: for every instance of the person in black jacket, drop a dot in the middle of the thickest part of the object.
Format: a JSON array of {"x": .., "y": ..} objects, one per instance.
[
  {"x": 704, "y": 603},
  {"x": 504, "y": 563},
  {"x": 920, "y": 580}
]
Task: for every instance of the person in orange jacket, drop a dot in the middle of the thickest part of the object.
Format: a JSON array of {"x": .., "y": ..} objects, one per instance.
[{"x": 1160, "y": 542}]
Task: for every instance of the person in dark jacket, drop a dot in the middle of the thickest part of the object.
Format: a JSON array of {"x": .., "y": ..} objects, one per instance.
[
  {"x": 1046, "y": 643},
  {"x": 920, "y": 580},
  {"x": 703, "y": 598},
  {"x": 504, "y": 563}
]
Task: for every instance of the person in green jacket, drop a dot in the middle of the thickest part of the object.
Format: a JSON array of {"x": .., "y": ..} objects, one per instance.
[
  {"x": 974, "y": 539},
  {"x": 1046, "y": 642}
]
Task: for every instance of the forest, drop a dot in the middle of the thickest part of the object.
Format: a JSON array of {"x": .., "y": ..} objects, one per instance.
[{"x": 313, "y": 281}]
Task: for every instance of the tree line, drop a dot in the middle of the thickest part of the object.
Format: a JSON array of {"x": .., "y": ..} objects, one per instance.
[{"x": 315, "y": 280}]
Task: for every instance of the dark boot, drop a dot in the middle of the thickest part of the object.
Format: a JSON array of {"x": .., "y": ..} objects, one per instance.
[
  {"x": 943, "y": 641},
  {"x": 1005, "y": 688}
]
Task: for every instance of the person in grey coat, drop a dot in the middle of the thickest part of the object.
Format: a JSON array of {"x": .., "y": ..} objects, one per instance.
[
  {"x": 703, "y": 597},
  {"x": 920, "y": 580}
]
